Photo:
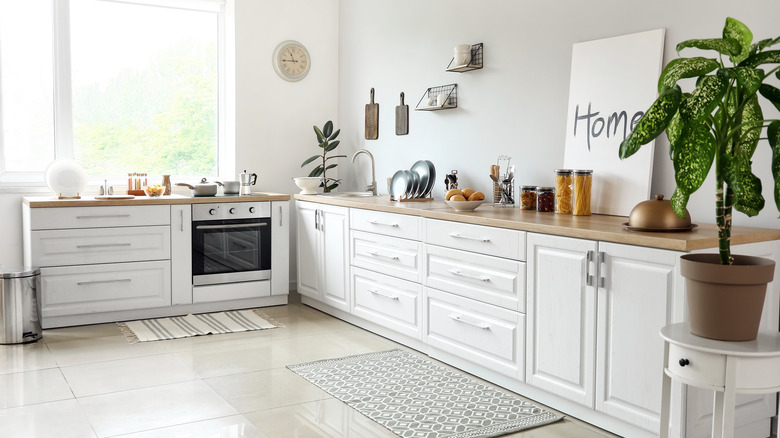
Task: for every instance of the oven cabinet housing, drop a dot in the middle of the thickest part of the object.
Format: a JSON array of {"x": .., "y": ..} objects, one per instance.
[
  {"x": 181, "y": 254},
  {"x": 323, "y": 254},
  {"x": 99, "y": 259},
  {"x": 280, "y": 248}
]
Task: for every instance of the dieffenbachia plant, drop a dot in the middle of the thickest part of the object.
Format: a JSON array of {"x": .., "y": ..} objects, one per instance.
[
  {"x": 720, "y": 121},
  {"x": 326, "y": 139}
]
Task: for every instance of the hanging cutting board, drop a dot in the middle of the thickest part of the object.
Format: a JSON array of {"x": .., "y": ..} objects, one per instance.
[
  {"x": 402, "y": 118},
  {"x": 372, "y": 119}
]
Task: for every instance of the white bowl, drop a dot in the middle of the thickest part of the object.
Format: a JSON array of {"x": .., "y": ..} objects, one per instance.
[
  {"x": 308, "y": 184},
  {"x": 464, "y": 205}
]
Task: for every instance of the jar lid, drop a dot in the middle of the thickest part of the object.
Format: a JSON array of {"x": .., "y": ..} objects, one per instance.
[
  {"x": 17, "y": 271},
  {"x": 544, "y": 189},
  {"x": 583, "y": 171},
  {"x": 527, "y": 188},
  {"x": 563, "y": 171}
]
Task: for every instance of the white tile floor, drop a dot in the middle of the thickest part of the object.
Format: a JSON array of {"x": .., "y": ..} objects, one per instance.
[{"x": 90, "y": 382}]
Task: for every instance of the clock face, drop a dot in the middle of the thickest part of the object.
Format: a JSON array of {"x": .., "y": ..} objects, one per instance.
[{"x": 291, "y": 61}]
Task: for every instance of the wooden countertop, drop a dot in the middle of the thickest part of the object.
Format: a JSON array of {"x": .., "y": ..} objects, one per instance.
[
  {"x": 595, "y": 227},
  {"x": 90, "y": 201}
]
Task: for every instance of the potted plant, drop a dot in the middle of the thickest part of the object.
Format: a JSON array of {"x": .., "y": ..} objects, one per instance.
[
  {"x": 720, "y": 122},
  {"x": 326, "y": 139}
]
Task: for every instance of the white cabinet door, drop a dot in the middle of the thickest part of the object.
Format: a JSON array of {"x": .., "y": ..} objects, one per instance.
[
  {"x": 323, "y": 253},
  {"x": 334, "y": 225},
  {"x": 634, "y": 302},
  {"x": 181, "y": 254},
  {"x": 280, "y": 248},
  {"x": 308, "y": 247},
  {"x": 561, "y": 317}
]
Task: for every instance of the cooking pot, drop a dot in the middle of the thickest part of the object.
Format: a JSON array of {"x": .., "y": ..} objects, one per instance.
[
  {"x": 230, "y": 187},
  {"x": 657, "y": 215},
  {"x": 204, "y": 188}
]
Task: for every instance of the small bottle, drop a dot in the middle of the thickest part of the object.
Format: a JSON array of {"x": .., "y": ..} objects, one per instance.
[
  {"x": 563, "y": 191},
  {"x": 581, "y": 183},
  {"x": 129, "y": 181},
  {"x": 545, "y": 199},
  {"x": 145, "y": 181},
  {"x": 528, "y": 197},
  {"x": 167, "y": 183}
]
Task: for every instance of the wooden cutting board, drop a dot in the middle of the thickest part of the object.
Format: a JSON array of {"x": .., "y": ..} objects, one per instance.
[
  {"x": 372, "y": 119},
  {"x": 402, "y": 118}
]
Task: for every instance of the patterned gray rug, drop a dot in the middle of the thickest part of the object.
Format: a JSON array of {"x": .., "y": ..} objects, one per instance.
[{"x": 415, "y": 397}]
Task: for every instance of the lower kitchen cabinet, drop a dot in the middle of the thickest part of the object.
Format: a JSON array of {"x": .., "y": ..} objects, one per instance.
[
  {"x": 323, "y": 253},
  {"x": 394, "y": 303},
  {"x": 181, "y": 258}
]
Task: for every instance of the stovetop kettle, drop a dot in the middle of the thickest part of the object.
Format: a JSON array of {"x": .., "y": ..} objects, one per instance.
[{"x": 247, "y": 180}]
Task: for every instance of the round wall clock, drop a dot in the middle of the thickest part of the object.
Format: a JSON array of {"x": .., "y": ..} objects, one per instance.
[{"x": 291, "y": 61}]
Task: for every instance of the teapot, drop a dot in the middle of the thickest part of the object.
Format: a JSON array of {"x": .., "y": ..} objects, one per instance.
[{"x": 247, "y": 180}]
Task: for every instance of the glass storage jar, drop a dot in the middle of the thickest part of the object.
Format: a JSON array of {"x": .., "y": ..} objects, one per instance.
[
  {"x": 528, "y": 197},
  {"x": 563, "y": 191},
  {"x": 581, "y": 182},
  {"x": 545, "y": 199}
]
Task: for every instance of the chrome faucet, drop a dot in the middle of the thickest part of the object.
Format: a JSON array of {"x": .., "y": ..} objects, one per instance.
[{"x": 371, "y": 187}]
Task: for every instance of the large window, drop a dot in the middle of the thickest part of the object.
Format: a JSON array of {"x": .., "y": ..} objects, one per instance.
[{"x": 119, "y": 86}]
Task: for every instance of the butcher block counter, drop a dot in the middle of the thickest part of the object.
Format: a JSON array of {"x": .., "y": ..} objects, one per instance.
[
  {"x": 175, "y": 199},
  {"x": 595, "y": 227}
]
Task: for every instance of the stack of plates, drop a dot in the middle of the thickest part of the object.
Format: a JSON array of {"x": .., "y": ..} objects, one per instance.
[{"x": 414, "y": 183}]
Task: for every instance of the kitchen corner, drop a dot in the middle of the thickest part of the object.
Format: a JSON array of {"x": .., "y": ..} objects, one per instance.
[{"x": 105, "y": 260}]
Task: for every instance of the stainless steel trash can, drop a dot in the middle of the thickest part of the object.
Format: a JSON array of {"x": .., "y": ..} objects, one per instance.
[{"x": 19, "y": 321}]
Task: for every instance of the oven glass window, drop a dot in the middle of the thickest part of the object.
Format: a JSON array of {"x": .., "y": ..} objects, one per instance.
[{"x": 226, "y": 246}]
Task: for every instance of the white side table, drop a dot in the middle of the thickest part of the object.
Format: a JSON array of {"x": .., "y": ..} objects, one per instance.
[{"x": 725, "y": 367}]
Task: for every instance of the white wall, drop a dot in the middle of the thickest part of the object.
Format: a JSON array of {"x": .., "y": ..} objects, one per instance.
[{"x": 517, "y": 104}]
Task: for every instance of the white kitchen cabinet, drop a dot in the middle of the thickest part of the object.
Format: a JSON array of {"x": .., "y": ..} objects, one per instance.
[
  {"x": 280, "y": 248},
  {"x": 594, "y": 312},
  {"x": 323, "y": 253},
  {"x": 400, "y": 258},
  {"x": 181, "y": 255},
  {"x": 391, "y": 302}
]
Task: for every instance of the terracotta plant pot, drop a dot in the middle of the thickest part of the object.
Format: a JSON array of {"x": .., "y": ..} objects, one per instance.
[{"x": 725, "y": 302}]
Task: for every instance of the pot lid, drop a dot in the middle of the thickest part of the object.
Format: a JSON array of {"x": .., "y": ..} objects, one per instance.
[
  {"x": 17, "y": 271},
  {"x": 657, "y": 215}
]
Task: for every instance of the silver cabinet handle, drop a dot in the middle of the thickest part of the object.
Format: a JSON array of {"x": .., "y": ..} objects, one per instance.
[
  {"x": 602, "y": 269},
  {"x": 103, "y": 216},
  {"x": 383, "y": 294},
  {"x": 230, "y": 226},
  {"x": 376, "y": 222},
  {"x": 588, "y": 276},
  {"x": 280, "y": 215},
  {"x": 456, "y": 271},
  {"x": 121, "y": 280},
  {"x": 461, "y": 236},
  {"x": 181, "y": 219},
  {"x": 103, "y": 245},
  {"x": 378, "y": 254},
  {"x": 459, "y": 318}
]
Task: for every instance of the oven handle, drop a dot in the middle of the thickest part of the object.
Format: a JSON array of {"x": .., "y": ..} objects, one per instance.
[{"x": 230, "y": 226}]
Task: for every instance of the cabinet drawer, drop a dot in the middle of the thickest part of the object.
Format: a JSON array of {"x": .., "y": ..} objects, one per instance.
[
  {"x": 231, "y": 291},
  {"x": 389, "y": 255},
  {"x": 78, "y": 290},
  {"x": 486, "y": 335},
  {"x": 390, "y": 302},
  {"x": 500, "y": 242},
  {"x": 99, "y": 217},
  {"x": 100, "y": 245},
  {"x": 389, "y": 224},
  {"x": 492, "y": 280},
  {"x": 702, "y": 368}
]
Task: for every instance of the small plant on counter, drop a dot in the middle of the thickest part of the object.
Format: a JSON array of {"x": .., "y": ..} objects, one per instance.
[
  {"x": 719, "y": 122},
  {"x": 326, "y": 140}
]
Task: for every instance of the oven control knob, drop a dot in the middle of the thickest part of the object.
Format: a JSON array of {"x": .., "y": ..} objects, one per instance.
[
  {"x": 213, "y": 211},
  {"x": 251, "y": 209},
  {"x": 232, "y": 211}
]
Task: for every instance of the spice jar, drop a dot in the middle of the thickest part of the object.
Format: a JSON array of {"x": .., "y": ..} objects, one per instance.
[
  {"x": 528, "y": 197},
  {"x": 563, "y": 190},
  {"x": 545, "y": 199},
  {"x": 581, "y": 183}
]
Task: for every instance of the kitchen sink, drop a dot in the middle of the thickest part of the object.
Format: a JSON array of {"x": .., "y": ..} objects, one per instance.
[{"x": 346, "y": 194}]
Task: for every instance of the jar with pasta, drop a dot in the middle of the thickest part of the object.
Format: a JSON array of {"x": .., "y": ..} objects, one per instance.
[
  {"x": 581, "y": 183},
  {"x": 545, "y": 199},
  {"x": 563, "y": 191},
  {"x": 528, "y": 197}
]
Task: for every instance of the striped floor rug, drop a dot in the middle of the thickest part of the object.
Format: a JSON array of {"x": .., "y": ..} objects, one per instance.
[{"x": 194, "y": 325}]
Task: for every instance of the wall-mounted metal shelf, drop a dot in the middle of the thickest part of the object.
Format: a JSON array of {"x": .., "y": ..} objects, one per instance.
[
  {"x": 475, "y": 63},
  {"x": 429, "y": 100}
]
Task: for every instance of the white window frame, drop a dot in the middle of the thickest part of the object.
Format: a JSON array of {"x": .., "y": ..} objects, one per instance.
[{"x": 25, "y": 182}]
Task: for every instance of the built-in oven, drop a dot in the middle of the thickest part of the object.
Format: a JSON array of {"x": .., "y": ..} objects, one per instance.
[{"x": 231, "y": 242}]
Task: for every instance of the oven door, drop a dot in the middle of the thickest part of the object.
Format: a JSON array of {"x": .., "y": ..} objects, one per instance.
[{"x": 230, "y": 251}]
